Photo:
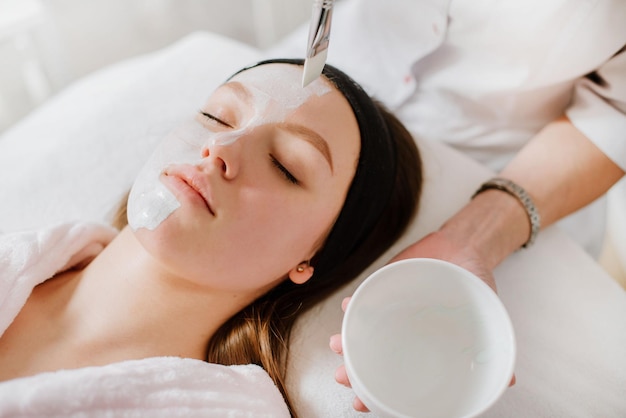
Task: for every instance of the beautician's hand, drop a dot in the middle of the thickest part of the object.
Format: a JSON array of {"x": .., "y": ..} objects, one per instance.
[
  {"x": 340, "y": 374},
  {"x": 434, "y": 245},
  {"x": 437, "y": 245},
  {"x": 440, "y": 246}
]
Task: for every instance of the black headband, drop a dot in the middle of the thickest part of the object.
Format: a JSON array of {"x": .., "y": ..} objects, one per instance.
[{"x": 373, "y": 181}]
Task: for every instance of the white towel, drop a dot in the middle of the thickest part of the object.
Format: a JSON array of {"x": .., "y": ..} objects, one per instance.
[{"x": 152, "y": 387}]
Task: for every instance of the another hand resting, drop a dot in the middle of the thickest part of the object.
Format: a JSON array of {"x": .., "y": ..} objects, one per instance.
[{"x": 435, "y": 245}]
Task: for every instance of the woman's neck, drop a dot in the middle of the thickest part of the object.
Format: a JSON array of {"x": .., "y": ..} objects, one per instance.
[{"x": 126, "y": 302}]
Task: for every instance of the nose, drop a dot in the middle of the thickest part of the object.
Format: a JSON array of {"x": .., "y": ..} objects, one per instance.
[{"x": 225, "y": 158}]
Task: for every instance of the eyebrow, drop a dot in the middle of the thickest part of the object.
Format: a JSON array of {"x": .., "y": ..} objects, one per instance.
[
  {"x": 311, "y": 137},
  {"x": 303, "y": 132},
  {"x": 240, "y": 91}
]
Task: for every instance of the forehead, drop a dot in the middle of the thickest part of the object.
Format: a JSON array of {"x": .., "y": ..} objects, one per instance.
[
  {"x": 282, "y": 83},
  {"x": 319, "y": 106}
]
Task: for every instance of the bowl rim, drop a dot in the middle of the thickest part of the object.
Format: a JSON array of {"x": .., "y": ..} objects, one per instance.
[{"x": 366, "y": 395}]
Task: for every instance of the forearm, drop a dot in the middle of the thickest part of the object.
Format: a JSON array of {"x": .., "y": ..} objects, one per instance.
[{"x": 560, "y": 169}]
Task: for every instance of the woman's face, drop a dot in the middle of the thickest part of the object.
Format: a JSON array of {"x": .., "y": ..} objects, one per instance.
[{"x": 239, "y": 197}]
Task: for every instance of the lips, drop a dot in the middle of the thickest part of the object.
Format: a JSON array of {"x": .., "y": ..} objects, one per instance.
[{"x": 188, "y": 177}]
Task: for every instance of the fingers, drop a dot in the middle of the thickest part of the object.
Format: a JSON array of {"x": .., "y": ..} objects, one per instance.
[
  {"x": 335, "y": 340},
  {"x": 344, "y": 303},
  {"x": 512, "y": 381},
  {"x": 342, "y": 377},
  {"x": 335, "y": 344},
  {"x": 359, "y": 406},
  {"x": 340, "y": 374}
]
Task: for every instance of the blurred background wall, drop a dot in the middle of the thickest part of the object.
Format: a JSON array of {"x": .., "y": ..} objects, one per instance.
[{"x": 46, "y": 44}]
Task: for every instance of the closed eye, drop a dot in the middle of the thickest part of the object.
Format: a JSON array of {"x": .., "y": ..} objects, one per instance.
[
  {"x": 288, "y": 176},
  {"x": 215, "y": 119}
]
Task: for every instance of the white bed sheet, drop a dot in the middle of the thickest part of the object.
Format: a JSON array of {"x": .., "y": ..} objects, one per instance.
[{"x": 76, "y": 156}]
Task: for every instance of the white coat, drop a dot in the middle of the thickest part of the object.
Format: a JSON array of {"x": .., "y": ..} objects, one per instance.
[{"x": 485, "y": 75}]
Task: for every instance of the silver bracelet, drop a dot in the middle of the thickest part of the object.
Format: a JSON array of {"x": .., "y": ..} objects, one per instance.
[{"x": 516, "y": 190}]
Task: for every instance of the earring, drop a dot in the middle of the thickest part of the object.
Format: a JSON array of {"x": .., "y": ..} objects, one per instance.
[{"x": 302, "y": 266}]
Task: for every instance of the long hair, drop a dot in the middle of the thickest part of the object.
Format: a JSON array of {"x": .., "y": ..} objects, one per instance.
[{"x": 259, "y": 333}]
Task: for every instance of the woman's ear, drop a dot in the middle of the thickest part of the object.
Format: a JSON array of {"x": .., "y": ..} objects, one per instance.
[{"x": 301, "y": 273}]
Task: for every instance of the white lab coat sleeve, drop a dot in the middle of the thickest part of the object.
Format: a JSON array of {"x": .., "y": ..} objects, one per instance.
[{"x": 598, "y": 108}]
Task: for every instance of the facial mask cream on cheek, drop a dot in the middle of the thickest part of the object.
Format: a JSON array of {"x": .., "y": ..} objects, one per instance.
[{"x": 150, "y": 202}]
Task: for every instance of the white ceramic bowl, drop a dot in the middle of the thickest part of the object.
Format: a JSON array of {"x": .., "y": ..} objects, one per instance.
[{"x": 426, "y": 338}]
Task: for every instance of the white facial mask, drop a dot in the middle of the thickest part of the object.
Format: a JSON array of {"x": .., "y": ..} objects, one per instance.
[{"x": 273, "y": 96}]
